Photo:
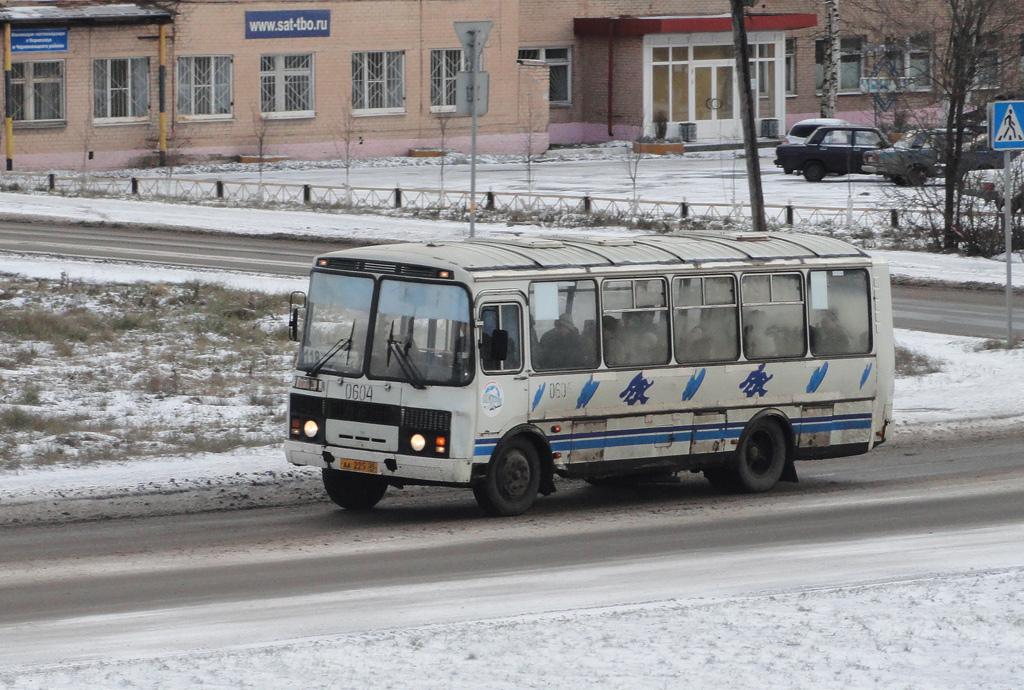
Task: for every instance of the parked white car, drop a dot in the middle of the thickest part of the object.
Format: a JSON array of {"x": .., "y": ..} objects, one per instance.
[
  {"x": 799, "y": 132},
  {"x": 988, "y": 184}
]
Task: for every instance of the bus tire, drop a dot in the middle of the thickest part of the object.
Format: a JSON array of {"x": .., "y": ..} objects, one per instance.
[
  {"x": 760, "y": 457},
  {"x": 512, "y": 481},
  {"x": 354, "y": 491}
]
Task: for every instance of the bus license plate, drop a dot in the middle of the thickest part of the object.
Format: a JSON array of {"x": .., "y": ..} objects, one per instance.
[{"x": 357, "y": 466}]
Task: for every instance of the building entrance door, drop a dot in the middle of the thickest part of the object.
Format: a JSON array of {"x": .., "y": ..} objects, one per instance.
[{"x": 714, "y": 100}]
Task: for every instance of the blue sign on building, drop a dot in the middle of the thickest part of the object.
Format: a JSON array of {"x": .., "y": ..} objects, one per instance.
[
  {"x": 288, "y": 24},
  {"x": 1004, "y": 123},
  {"x": 36, "y": 40}
]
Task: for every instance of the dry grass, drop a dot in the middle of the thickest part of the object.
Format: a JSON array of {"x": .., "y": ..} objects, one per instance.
[
  {"x": 912, "y": 363},
  {"x": 115, "y": 372}
]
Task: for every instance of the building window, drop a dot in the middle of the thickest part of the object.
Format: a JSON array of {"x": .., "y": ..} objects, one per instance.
[
  {"x": 444, "y": 65},
  {"x": 909, "y": 62},
  {"x": 204, "y": 85},
  {"x": 851, "y": 63},
  {"x": 120, "y": 88},
  {"x": 37, "y": 91},
  {"x": 986, "y": 68},
  {"x": 286, "y": 84},
  {"x": 790, "y": 66},
  {"x": 919, "y": 63},
  {"x": 378, "y": 81},
  {"x": 559, "y": 68},
  {"x": 670, "y": 82}
]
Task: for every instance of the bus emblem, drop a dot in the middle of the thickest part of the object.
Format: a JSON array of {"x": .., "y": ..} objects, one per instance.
[
  {"x": 693, "y": 385},
  {"x": 754, "y": 383},
  {"x": 636, "y": 390},
  {"x": 589, "y": 388},
  {"x": 817, "y": 377},
  {"x": 492, "y": 399},
  {"x": 864, "y": 376},
  {"x": 538, "y": 395}
]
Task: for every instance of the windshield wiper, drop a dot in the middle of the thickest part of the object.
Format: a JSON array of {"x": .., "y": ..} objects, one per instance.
[
  {"x": 345, "y": 343},
  {"x": 401, "y": 351}
]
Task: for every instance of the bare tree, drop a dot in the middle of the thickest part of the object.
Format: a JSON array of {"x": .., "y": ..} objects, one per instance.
[
  {"x": 349, "y": 137},
  {"x": 972, "y": 47},
  {"x": 444, "y": 121},
  {"x": 830, "y": 80},
  {"x": 633, "y": 155},
  {"x": 260, "y": 130}
]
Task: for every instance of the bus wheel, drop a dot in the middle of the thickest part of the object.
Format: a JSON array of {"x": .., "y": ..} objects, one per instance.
[
  {"x": 761, "y": 456},
  {"x": 354, "y": 491},
  {"x": 512, "y": 481}
]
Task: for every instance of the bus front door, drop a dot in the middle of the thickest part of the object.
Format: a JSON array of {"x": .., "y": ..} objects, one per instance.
[{"x": 503, "y": 380}]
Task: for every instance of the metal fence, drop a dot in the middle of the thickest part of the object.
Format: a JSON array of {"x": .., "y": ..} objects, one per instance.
[{"x": 326, "y": 197}]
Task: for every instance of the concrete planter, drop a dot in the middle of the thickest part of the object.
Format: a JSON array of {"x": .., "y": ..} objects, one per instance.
[
  {"x": 425, "y": 153},
  {"x": 658, "y": 149},
  {"x": 265, "y": 158}
]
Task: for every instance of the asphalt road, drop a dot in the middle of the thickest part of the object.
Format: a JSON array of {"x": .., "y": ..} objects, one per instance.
[
  {"x": 254, "y": 575},
  {"x": 428, "y": 555},
  {"x": 957, "y": 312}
]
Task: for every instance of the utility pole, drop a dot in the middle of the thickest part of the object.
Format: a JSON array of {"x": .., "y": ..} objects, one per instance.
[
  {"x": 830, "y": 60},
  {"x": 739, "y": 35}
]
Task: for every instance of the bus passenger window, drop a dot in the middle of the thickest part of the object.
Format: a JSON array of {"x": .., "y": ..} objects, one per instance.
[
  {"x": 558, "y": 312},
  {"x": 773, "y": 316},
  {"x": 635, "y": 322},
  {"x": 840, "y": 306},
  {"x": 705, "y": 319}
]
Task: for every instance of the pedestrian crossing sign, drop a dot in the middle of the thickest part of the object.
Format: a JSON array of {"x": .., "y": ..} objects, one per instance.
[{"x": 1005, "y": 130}]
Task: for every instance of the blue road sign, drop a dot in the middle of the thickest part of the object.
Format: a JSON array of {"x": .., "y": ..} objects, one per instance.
[{"x": 1005, "y": 130}]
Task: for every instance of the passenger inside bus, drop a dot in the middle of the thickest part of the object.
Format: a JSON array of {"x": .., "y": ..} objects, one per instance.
[
  {"x": 696, "y": 346},
  {"x": 828, "y": 337},
  {"x": 559, "y": 348}
]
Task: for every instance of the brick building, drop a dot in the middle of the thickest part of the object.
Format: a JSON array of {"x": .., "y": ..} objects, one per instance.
[{"x": 99, "y": 85}]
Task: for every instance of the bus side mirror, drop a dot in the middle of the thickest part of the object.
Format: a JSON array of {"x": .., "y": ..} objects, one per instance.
[
  {"x": 499, "y": 346},
  {"x": 296, "y": 301}
]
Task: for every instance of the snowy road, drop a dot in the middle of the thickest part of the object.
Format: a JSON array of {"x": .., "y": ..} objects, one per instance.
[{"x": 170, "y": 585}]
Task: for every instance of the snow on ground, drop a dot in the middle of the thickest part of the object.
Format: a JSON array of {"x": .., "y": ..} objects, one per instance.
[{"x": 960, "y": 628}]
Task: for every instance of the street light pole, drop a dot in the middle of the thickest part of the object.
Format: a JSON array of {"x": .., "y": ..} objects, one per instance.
[{"x": 739, "y": 34}]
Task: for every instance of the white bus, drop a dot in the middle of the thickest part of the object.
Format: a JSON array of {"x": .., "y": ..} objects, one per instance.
[{"x": 499, "y": 364}]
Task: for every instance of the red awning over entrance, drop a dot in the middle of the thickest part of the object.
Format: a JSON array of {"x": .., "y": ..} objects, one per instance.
[{"x": 641, "y": 26}]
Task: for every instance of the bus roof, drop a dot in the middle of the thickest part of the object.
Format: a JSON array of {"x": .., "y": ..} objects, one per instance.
[{"x": 496, "y": 254}]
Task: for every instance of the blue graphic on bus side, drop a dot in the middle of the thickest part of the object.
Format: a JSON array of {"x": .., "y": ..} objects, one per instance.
[
  {"x": 538, "y": 395},
  {"x": 867, "y": 372},
  {"x": 754, "y": 383},
  {"x": 817, "y": 377},
  {"x": 636, "y": 390},
  {"x": 693, "y": 385},
  {"x": 589, "y": 388}
]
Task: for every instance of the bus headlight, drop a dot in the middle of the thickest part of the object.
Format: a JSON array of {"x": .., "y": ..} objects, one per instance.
[
  {"x": 417, "y": 442},
  {"x": 310, "y": 429}
]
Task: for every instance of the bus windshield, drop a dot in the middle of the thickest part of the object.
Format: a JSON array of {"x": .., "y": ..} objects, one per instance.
[
  {"x": 337, "y": 322},
  {"x": 421, "y": 334}
]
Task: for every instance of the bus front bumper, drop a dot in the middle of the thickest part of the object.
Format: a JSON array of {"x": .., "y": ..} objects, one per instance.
[{"x": 414, "y": 469}]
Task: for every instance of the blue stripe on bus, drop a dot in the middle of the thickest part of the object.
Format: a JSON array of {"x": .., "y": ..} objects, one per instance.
[{"x": 619, "y": 438}]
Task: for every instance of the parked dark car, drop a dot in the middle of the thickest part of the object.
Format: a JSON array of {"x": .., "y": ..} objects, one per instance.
[
  {"x": 830, "y": 150},
  {"x": 921, "y": 153}
]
